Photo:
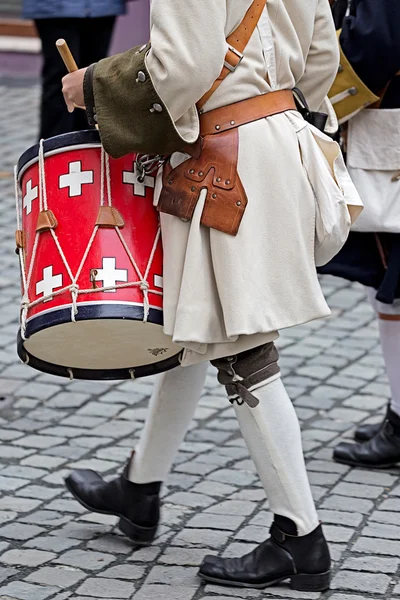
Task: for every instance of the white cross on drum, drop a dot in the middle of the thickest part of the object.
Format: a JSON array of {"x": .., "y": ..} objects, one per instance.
[
  {"x": 132, "y": 178},
  {"x": 75, "y": 179},
  {"x": 109, "y": 274},
  {"x": 158, "y": 281},
  {"x": 30, "y": 195},
  {"x": 49, "y": 282}
]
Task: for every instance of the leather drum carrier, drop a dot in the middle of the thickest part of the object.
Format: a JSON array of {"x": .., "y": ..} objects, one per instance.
[{"x": 213, "y": 165}]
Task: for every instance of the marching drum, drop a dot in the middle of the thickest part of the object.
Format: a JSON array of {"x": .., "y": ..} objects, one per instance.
[{"x": 90, "y": 252}]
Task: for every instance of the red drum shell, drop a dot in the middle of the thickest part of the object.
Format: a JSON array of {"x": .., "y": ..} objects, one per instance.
[{"x": 109, "y": 339}]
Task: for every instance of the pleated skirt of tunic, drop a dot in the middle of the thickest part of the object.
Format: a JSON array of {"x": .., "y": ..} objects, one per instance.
[{"x": 226, "y": 294}]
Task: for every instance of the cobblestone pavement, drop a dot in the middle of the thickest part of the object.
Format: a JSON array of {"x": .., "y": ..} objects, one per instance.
[{"x": 52, "y": 549}]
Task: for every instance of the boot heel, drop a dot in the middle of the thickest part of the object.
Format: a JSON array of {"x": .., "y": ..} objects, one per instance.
[
  {"x": 311, "y": 583},
  {"x": 142, "y": 536}
]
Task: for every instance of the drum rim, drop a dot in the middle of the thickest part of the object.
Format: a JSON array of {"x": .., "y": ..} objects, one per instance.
[
  {"x": 91, "y": 313},
  {"x": 58, "y": 143},
  {"x": 155, "y": 314}
]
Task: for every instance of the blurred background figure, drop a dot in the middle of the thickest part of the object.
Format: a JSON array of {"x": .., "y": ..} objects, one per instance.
[
  {"x": 366, "y": 97},
  {"x": 340, "y": 9},
  {"x": 87, "y": 25}
]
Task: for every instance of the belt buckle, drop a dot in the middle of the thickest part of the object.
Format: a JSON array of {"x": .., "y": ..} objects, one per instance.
[{"x": 232, "y": 68}]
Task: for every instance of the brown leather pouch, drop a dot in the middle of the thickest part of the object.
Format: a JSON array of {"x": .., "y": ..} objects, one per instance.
[{"x": 214, "y": 170}]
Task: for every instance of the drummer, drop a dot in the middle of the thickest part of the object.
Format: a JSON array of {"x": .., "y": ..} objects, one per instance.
[{"x": 239, "y": 258}]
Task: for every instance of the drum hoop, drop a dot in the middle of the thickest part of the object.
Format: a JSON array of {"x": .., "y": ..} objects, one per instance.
[
  {"x": 68, "y": 305},
  {"x": 54, "y": 152},
  {"x": 59, "y": 142}
]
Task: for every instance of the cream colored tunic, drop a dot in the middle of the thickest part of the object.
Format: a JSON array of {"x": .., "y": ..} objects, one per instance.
[{"x": 225, "y": 294}]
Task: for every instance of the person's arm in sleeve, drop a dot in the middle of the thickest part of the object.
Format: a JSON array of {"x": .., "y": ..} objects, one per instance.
[
  {"x": 145, "y": 99},
  {"x": 323, "y": 59}
]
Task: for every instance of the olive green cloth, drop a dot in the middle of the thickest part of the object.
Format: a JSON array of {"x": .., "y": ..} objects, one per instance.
[{"x": 130, "y": 114}]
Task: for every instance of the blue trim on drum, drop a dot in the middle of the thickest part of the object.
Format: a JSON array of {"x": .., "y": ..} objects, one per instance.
[
  {"x": 95, "y": 374},
  {"x": 92, "y": 312},
  {"x": 89, "y": 136}
]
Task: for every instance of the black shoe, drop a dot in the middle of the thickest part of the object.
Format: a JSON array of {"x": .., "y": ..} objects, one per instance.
[
  {"x": 136, "y": 505},
  {"x": 381, "y": 452},
  {"x": 304, "y": 560},
  {"x": 367, "y": 432}
]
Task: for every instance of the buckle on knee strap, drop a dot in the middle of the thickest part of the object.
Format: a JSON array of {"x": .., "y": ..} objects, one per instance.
[{"x": 243, "y": 393}]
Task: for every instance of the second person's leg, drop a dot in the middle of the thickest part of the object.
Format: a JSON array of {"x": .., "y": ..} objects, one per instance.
[
  {"x": 54, "y": 116},
  {"x": 95, "y": 37},
  {"x": 381, "y": 447}
]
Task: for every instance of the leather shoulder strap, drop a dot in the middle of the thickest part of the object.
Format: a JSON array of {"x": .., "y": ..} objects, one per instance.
[{"x": 237, "y": 43}]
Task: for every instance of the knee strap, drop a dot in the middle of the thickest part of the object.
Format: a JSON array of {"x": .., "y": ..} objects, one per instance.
[
  {"x": 385, "y": 312},
  {"x": 244, "y": 372},
  {"x": 389, "y": 312}
]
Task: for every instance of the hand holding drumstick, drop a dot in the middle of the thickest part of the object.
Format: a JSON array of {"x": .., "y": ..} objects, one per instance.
[{"x": 73, "y": 82}]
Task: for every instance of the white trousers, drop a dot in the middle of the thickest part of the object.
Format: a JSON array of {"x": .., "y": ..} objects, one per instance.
[{"x": 271, "y": 432}]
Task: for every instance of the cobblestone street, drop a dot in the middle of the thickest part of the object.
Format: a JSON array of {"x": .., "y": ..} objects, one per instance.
[{"x": 51, "y": 549}]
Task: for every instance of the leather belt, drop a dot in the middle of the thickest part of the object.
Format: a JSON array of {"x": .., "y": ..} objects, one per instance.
[
  {"x": 215, "y": 167},
  {"x": 246, "y": 111}
]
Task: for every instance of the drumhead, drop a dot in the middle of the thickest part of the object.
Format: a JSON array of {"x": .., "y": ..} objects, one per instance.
[{"x": 98, "y": 348}]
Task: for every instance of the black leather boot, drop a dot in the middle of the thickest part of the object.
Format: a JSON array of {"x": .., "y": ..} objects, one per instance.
[
  {"x": 136, "y": 505},
  {"x": 367, "y": 432},
  {"x": 304, "y": 560},
  {"x": 380, "y": 452}
]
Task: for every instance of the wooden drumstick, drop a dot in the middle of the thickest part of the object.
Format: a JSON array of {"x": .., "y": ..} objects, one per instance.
[
  {"x": 66, "y": 55},
  {"x": 68, "y": 59}
]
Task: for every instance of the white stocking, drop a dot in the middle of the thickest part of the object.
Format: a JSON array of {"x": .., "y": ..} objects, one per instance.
[
  {"x": 171, "y": 409},
  {"x": 389, "y": 331},
  {"x": 272, "y": 434}
]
